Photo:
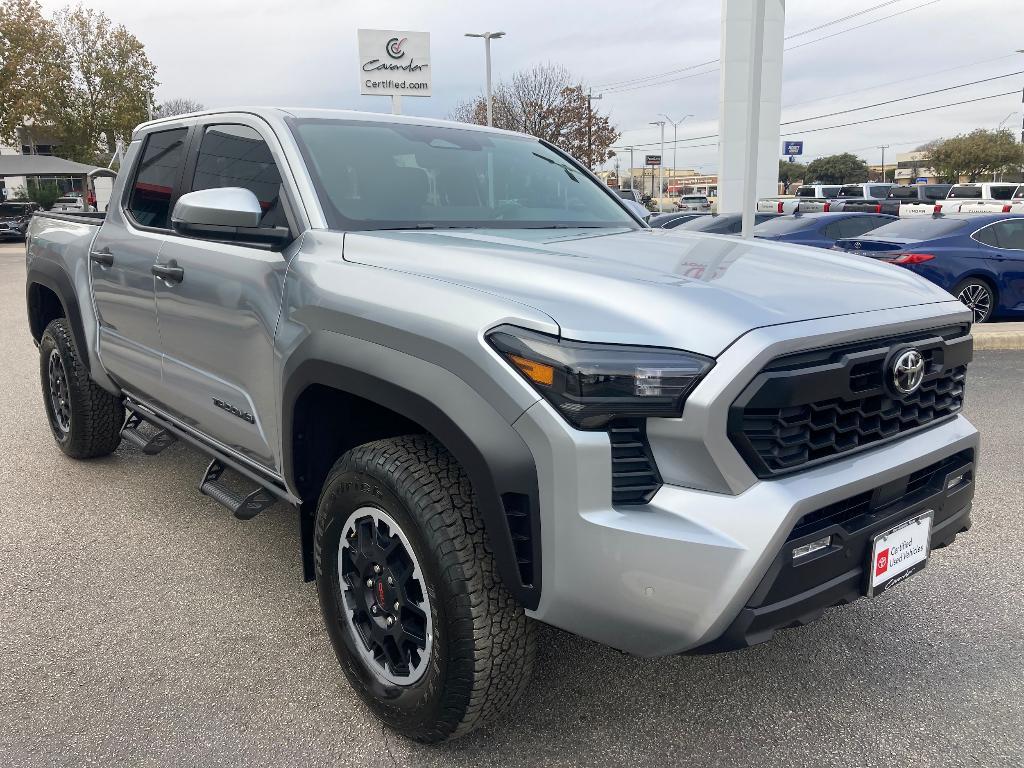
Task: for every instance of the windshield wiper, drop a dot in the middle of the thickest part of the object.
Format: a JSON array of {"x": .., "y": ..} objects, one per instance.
[{"x": 568, "y": 169}]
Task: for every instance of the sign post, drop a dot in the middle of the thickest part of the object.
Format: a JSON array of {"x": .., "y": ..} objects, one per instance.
[
  {"x": 653, "y": 161},
  {"x": 394, "y": 63},
  {"x": 792, "y": 148}
]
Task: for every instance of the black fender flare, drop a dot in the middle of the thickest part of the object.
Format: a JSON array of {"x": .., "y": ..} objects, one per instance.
[
  {"x": 52, "y": 276},
  {"x": 497, "y": 460}
]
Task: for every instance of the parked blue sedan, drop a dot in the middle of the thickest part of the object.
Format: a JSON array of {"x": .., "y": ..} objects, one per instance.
[
  {"x": 979, "y": 258},
  {"x": 820, "y": 229}
]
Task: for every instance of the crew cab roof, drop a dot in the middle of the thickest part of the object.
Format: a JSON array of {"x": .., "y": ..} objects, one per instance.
[{"x": 272, "y": 114}]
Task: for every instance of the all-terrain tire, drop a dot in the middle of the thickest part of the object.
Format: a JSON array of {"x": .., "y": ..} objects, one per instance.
[
  {"x": 91, "y": 418},
  {"x": 483, "y": 645}
]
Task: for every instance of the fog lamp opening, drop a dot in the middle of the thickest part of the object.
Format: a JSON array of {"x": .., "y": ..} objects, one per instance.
[{"x": 805, "y": 549}]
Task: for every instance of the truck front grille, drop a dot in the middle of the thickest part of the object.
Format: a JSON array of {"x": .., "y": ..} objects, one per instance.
[{"x": 811, "y": 407}]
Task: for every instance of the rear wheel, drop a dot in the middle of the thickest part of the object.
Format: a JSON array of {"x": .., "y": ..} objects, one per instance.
[
  {"x": 978, "y": 296},
  {"x": 85, "y": 419},
  {"x": 421, "y": 624}
]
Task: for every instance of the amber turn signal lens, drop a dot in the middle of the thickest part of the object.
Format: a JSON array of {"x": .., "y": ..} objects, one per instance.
[{"x": 538, "y": 373}]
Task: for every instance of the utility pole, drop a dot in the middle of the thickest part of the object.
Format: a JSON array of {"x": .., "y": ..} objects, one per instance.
[
  {"x": 661, "y": 166},
  {"x": 883, "y": 147},
  {"x": 488, "y": 36},
  {"x": 675, "y": 145},
  {"x": 590, "y": 139}
]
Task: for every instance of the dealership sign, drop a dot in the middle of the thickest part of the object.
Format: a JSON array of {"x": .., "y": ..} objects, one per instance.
[
  {"x": 792, "y": 148},
  {"x": 652, "y": 160},
  {"x": 393, "y": 63}
]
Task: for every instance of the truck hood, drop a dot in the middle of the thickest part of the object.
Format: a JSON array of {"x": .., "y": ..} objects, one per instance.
[{"x": 654, "y": 287}]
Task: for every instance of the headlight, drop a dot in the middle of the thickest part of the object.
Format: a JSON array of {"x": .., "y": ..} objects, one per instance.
[{"x": 591, "y": 384}]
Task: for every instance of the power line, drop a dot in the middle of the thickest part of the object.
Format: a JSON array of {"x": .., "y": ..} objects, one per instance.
[
  {"x": 861, "y": 26},
  {"x": 844, "y": 18},
  {"x": 902, "y": 98},
  {"x": 632, "y": 84},
  {"x": 904, "y": 114},
  {"x": 856, "y": 122},
  {"x": 930, "y": 74}
]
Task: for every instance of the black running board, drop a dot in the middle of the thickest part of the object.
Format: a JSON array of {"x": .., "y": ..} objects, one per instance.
[
  {"x": 243, "y": 507},
  {"x": 150, "y": 445},
  {"x": 238, "y": 504}
]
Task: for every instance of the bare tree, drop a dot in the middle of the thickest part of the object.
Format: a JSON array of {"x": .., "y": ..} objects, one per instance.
[
  {"x": 173, "y": 107},
  {"x": 546, "y": 102}
]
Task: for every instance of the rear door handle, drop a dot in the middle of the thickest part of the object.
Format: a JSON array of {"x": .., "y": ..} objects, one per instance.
[
  {"x": 169, "y": 272},
  {"x": 103, "y": 258}
]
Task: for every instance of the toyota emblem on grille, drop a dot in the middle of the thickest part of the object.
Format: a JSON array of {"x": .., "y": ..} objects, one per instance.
[{"x": 908, "y": 372}]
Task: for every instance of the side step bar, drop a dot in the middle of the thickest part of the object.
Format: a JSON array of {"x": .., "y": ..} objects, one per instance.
[
  {"x": 242, "y": 507},
  {"x": 151, "y": 445}
]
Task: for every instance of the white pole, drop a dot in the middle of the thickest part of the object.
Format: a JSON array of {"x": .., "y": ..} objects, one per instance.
[
  {"x": 631, "y": 168},
  {"x": 661, "y": 169},
  {"x": 675, "y": 149},
  {"x": 396, "y": 104},
  {"x": 487, "y": 55},
  {"x": 753, "y": 122}
]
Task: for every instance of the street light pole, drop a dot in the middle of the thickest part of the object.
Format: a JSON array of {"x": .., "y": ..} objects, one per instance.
[
  {"x": 631, "y": 168},
  {"x": 590, "y": 140},
  {"x": 661, "y": 166},
  {"x": 675, "y": 145},
  {"x": 883, "y": 147},
  {"x": 488, "y": 36}
]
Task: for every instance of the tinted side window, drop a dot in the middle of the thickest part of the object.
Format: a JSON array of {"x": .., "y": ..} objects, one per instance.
[
  {"x": 1010, "y": 234},
  {"x": 988, "y": 236},
  {"x": 936, "y": 191},
  {"x": 237, "y": 156},
  {"x": 879, "y": 192},
  {"x": 156, "y": 177},
  {"x": 1002, "y": 193}
]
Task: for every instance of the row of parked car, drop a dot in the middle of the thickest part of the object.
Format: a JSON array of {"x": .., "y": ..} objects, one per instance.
[
  {"x": 900, "y": 200},
  {"x": 978, "y": 257}
]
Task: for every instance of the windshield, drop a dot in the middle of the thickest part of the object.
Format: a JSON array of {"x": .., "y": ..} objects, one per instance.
[
  {"x": 12, "y": 209},
  {"x": 915, "y": 229},
  {"x": 378, "y": 175}
]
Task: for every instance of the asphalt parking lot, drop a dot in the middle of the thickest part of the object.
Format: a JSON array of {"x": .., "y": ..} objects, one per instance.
[{"x": 140, "y": 624}]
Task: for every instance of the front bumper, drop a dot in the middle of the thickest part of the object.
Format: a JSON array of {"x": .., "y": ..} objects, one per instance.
[{"x": 693, "y": 567}]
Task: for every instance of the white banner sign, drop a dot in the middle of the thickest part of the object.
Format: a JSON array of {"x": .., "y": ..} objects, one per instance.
[{"x": 393, "y": 63}]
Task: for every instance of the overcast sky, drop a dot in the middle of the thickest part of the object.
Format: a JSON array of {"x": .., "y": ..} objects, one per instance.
[{"x": 303, "y": 53}]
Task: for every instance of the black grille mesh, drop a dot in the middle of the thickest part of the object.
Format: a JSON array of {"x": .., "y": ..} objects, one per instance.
[
  {"x": 788, "y": 437},
  {"x": 810, "y": 407}
]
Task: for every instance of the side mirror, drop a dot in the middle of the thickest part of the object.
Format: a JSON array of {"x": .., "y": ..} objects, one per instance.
[
  {"x": 637, "y": 210},
  {"x": 226, "y": 214},
  {"x": 220, "y": 207}
]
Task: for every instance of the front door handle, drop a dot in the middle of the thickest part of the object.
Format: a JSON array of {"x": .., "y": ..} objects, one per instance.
[
  {"x": 169, "y": 272},
  {"x": 103, "y": 258}
]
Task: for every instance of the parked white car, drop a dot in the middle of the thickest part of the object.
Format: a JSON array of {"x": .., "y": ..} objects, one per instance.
[{"x": 693, "y": 204}]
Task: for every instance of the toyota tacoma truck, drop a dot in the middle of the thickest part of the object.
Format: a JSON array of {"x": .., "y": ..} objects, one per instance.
[{"x": 493, "y": 397}]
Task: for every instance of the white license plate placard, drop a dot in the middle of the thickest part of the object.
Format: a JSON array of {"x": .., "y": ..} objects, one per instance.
[{"x": 899, "y": 552}]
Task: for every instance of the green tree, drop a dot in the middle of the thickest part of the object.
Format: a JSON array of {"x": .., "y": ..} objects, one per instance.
[
  {"x": 28, "y": 67},
  {"x": 975, "y": 154},
  {"x": 790, "y": 172},
  {"x": 837, "y": 169},
  {"x": 549, "y": 103},
  {"x": 44, "y": 194},
  {"x": 108, "y": 86}
]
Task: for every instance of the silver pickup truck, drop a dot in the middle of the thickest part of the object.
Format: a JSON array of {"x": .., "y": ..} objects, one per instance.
[{"x": 493, "y": 397}]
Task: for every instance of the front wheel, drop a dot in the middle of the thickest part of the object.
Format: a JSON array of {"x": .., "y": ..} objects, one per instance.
[
  {"x": 85, "y": 419},
  {"x": 422, "y": 626},
  {"x": 977, "y": 296}
]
